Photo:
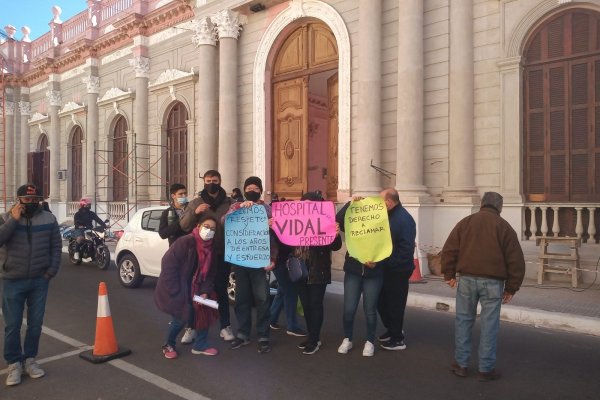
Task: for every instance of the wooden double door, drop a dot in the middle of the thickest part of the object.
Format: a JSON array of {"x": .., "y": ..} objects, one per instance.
[{"x": 305, "y": 113}]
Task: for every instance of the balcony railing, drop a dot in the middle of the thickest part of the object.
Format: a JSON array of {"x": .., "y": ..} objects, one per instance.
[{"x": 562, "y": 219}]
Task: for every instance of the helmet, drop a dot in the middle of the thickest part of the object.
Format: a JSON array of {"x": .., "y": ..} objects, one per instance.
[{"x": 85, "y": 203}]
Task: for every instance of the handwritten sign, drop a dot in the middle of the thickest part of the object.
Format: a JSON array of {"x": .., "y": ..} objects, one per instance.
[
  {"x": 304, "y": 223},
  {"x": 247, "y": 237},
  {"x": 367, "y": 230}
]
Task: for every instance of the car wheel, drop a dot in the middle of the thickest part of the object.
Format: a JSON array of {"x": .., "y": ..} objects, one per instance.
[
  {"x": 103, "y": 257},
  {"x": 130, "y": 275},
  {"x": 231, "y": 288}
]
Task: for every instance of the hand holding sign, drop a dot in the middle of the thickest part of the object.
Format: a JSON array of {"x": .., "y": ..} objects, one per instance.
[
  {"x": 368, "y": 236},
  {"x": 247, "y": 237},
  {"x": 304, "y": 223}
]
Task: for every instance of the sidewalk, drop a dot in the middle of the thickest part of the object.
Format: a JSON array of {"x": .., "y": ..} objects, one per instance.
[{"x": 553, "y": 306}]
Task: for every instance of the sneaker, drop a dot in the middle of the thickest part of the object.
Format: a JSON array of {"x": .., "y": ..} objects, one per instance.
[
  {"x": 211, "y": 351},
  {"x": 188, "y": 336},
  {"x": 238, "y": 342},
  {"x": 369, "y": 349},
  {"x": 385, "y": 337},
  {"x": 345, "y": 347},
  {"x": 275, "y": 326},
  {"x": 15, "y": 370},
  {"x": 264, "y": 347},
  {"x": 488, "y": 376},
  {"x": 33, "y": 369},
  {"x": 311, "y": 348},
  {"x": 169, "y": 351},
  {"x": 227, "y": 334},
  {"x": 302, "y": 345},
  {"x": 296, "y": 332},
  {"x": 393, "y": 345},
  {"x": 458, "y": 370}
]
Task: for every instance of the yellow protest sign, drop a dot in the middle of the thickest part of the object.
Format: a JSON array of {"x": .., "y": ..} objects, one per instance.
[{"x": 367, "y": 230}]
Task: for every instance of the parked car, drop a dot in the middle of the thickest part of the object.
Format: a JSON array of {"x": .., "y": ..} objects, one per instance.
[{"x": 140, "y": 250}]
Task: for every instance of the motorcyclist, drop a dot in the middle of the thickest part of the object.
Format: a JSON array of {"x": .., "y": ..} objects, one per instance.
[{"x": 84, "y": 219}]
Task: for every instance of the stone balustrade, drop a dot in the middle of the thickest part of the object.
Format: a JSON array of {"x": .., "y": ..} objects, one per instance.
[{"x": 562, "y": 219}]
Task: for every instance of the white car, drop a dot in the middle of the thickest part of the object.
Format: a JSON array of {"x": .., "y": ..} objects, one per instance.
[{"x": 140, "y": 249}]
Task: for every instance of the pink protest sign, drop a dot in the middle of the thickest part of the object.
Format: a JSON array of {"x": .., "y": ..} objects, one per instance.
[{"x": 304, "y": 223}]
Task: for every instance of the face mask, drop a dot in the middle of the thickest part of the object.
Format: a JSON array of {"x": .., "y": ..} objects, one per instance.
[
  {"x": 182, "y": 200},
  {"x": 31, "y": 208},
  {"x": 206, "y": 234},
  {"x": 212, "y": 188},
  {"x": 252, "y": 196}
]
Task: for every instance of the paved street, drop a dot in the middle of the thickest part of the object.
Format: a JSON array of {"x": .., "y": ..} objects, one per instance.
[{"x": 535, "y": 363}]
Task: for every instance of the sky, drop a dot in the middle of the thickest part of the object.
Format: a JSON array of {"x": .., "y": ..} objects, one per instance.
[{"x": 36, "y": 14}]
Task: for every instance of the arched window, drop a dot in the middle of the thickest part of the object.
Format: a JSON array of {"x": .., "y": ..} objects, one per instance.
[
  {"x": 177, "y": 144},
  {"x": 76, "y": 164},
  {"x": 562, "y": 109},
  {"x": 120, "y": 161}
]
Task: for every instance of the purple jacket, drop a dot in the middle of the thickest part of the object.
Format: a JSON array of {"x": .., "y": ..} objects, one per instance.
[{"x": 173, "y": 290}]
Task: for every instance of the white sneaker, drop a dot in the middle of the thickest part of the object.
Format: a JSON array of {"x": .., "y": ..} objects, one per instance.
[
  {"x": 15, "y": 370},
  {"x": 369, "y": 349},
  {"x": 33, "y": 369},
  {"x": 345, "y": 346},
  {"x": 188, "y": 336},
  {"x": 227, "y": 334}
]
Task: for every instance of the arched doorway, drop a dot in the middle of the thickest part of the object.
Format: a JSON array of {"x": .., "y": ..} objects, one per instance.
[
  {"x": 38, "y": 166},
  {"x": 120, "y": 179},
  {"x": 304, "y": 108},
  {"x": 177, "y": 136},
  {"x": 76, "y": 164}
]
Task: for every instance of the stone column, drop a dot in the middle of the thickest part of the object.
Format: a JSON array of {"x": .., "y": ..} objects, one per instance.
[
  {"x": 409, "y": 127},
  {"x": 25, "y": 110},
  {"x": 54, "y": 100},
  {"x": 9, "y": 150},
  {"x": 207, "y": 130},
  {"x": 368, "y": 126},
  {"x": 91, "y": 135},
  {"x": 461, "y": 151},
  {"x": 141, "y": 65},
  {"x": 229, "y": 26}
]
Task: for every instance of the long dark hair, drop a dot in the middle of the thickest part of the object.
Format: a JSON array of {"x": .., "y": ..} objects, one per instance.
[{"x": 219, "y": 239}]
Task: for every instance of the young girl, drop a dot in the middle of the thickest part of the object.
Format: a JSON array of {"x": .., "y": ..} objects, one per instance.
[{"x": 187, "y": 269}]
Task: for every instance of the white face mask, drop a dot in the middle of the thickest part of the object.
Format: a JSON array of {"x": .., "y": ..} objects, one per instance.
[
  {"x": 206, "y": 234},
  {"x": 182, "y": 200}
]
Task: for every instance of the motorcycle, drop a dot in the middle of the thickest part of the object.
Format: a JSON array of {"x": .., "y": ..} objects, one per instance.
[{"x": 92, "y": 247}]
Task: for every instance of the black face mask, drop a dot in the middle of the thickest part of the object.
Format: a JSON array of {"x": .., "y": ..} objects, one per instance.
[
  {"x": 252, "y": 196},
  {"x": 31, "y": 208},
  {"x": 212, "y": 188}
]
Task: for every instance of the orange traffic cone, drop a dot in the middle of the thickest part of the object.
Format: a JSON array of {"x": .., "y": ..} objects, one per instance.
[
  {"x": 416, "y": 276},
  {"x": 105, "y": 345}
]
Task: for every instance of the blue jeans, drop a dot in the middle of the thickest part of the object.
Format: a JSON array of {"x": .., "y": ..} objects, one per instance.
[
  {"x": 286, "y": 298},
  {"x": 176, "y": 325},
  {"x": 15, "y": 294},
  {"x": 354, "y": 286},
  {"x": 488, "y": 292},
  {"x": 251, "y": 285}
]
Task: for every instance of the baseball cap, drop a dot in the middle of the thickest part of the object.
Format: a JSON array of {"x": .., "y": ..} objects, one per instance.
[{"x": 28, "y": 190}]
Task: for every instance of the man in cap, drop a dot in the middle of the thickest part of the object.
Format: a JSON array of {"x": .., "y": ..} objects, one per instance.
[{"x": 30, "y": 253}]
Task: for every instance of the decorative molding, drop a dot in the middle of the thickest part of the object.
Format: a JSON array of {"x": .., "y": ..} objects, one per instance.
[
  {"x": 37, "y": 117},
  {"x": 205, "y": 32},
  {"x": 327, "y": 14},
  {"x": 92, "y": 83},
  {"x": 172, "y": 75},
  {"x": 10, "y": 108},
  {"x": 162, "y": 3},
  {"x": 54, "y": 97},
  {"x": 114, "y": 95},
  {"x": 141, "y": 66},
  {"x": 116, "y": 55},
  {"x": 229, "y": 23},
  {"x": 71, "y": 107},
  {"x": 73, "y": 72},
  {"x": 25, "y": 107}
]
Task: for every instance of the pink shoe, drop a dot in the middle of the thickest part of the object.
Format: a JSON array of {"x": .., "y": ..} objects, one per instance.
[
  {"x": 211, "y": 351},
  {"x": 169, "y": 351}
]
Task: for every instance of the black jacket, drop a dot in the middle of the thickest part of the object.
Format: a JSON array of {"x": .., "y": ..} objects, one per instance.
[
  {"x": 84, "y": 218},
  {"x": 169, "y": 226}
]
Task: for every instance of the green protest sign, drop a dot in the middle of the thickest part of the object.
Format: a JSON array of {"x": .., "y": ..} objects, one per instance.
[{"x": 367, "y": 230}]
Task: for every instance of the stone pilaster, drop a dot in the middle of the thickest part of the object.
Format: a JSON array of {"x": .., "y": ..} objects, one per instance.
[
  {"x": 368, "y": 135},
  {"x": 229, "y": 26},
  {"x": 91, "y": 135},
  {"x": 54, "y": 99},
  {"x": 9, "y": 151},
  {"x": 25, "y": 111},
  {"x": 141, "y": 66}
]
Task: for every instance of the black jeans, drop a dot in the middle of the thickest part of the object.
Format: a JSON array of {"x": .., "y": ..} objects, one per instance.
[
  {"x": 392, "y": 301},
  {"x": 311, "y": 297},
  {"x": 221, "y": 280},
  {"x": 251, "y": 284}
]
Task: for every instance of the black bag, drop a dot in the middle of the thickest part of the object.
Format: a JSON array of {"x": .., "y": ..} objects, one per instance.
[{"x": 297, "y": 269}]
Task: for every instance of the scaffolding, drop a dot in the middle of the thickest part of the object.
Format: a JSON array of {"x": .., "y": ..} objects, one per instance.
[
  {"x": 3, "y": 74},
  {"x": 119, "y": 212}
]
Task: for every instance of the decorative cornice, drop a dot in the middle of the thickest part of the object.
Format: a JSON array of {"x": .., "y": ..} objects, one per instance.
[
  {"x": 71, "y": 107},
  {"x": 54, "y": 97},
  {"x": 36, "y": 117},
  {"x": 229, "y": 23},
  {"x": 93, "y": 83},
  {"x": 172, "y": 75},
  {"x": 141, "y": 66},
  {"x": 114, "y": 94},
  {"x": 25, "y": 107},
  {"x": 205, "y": 32}
]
